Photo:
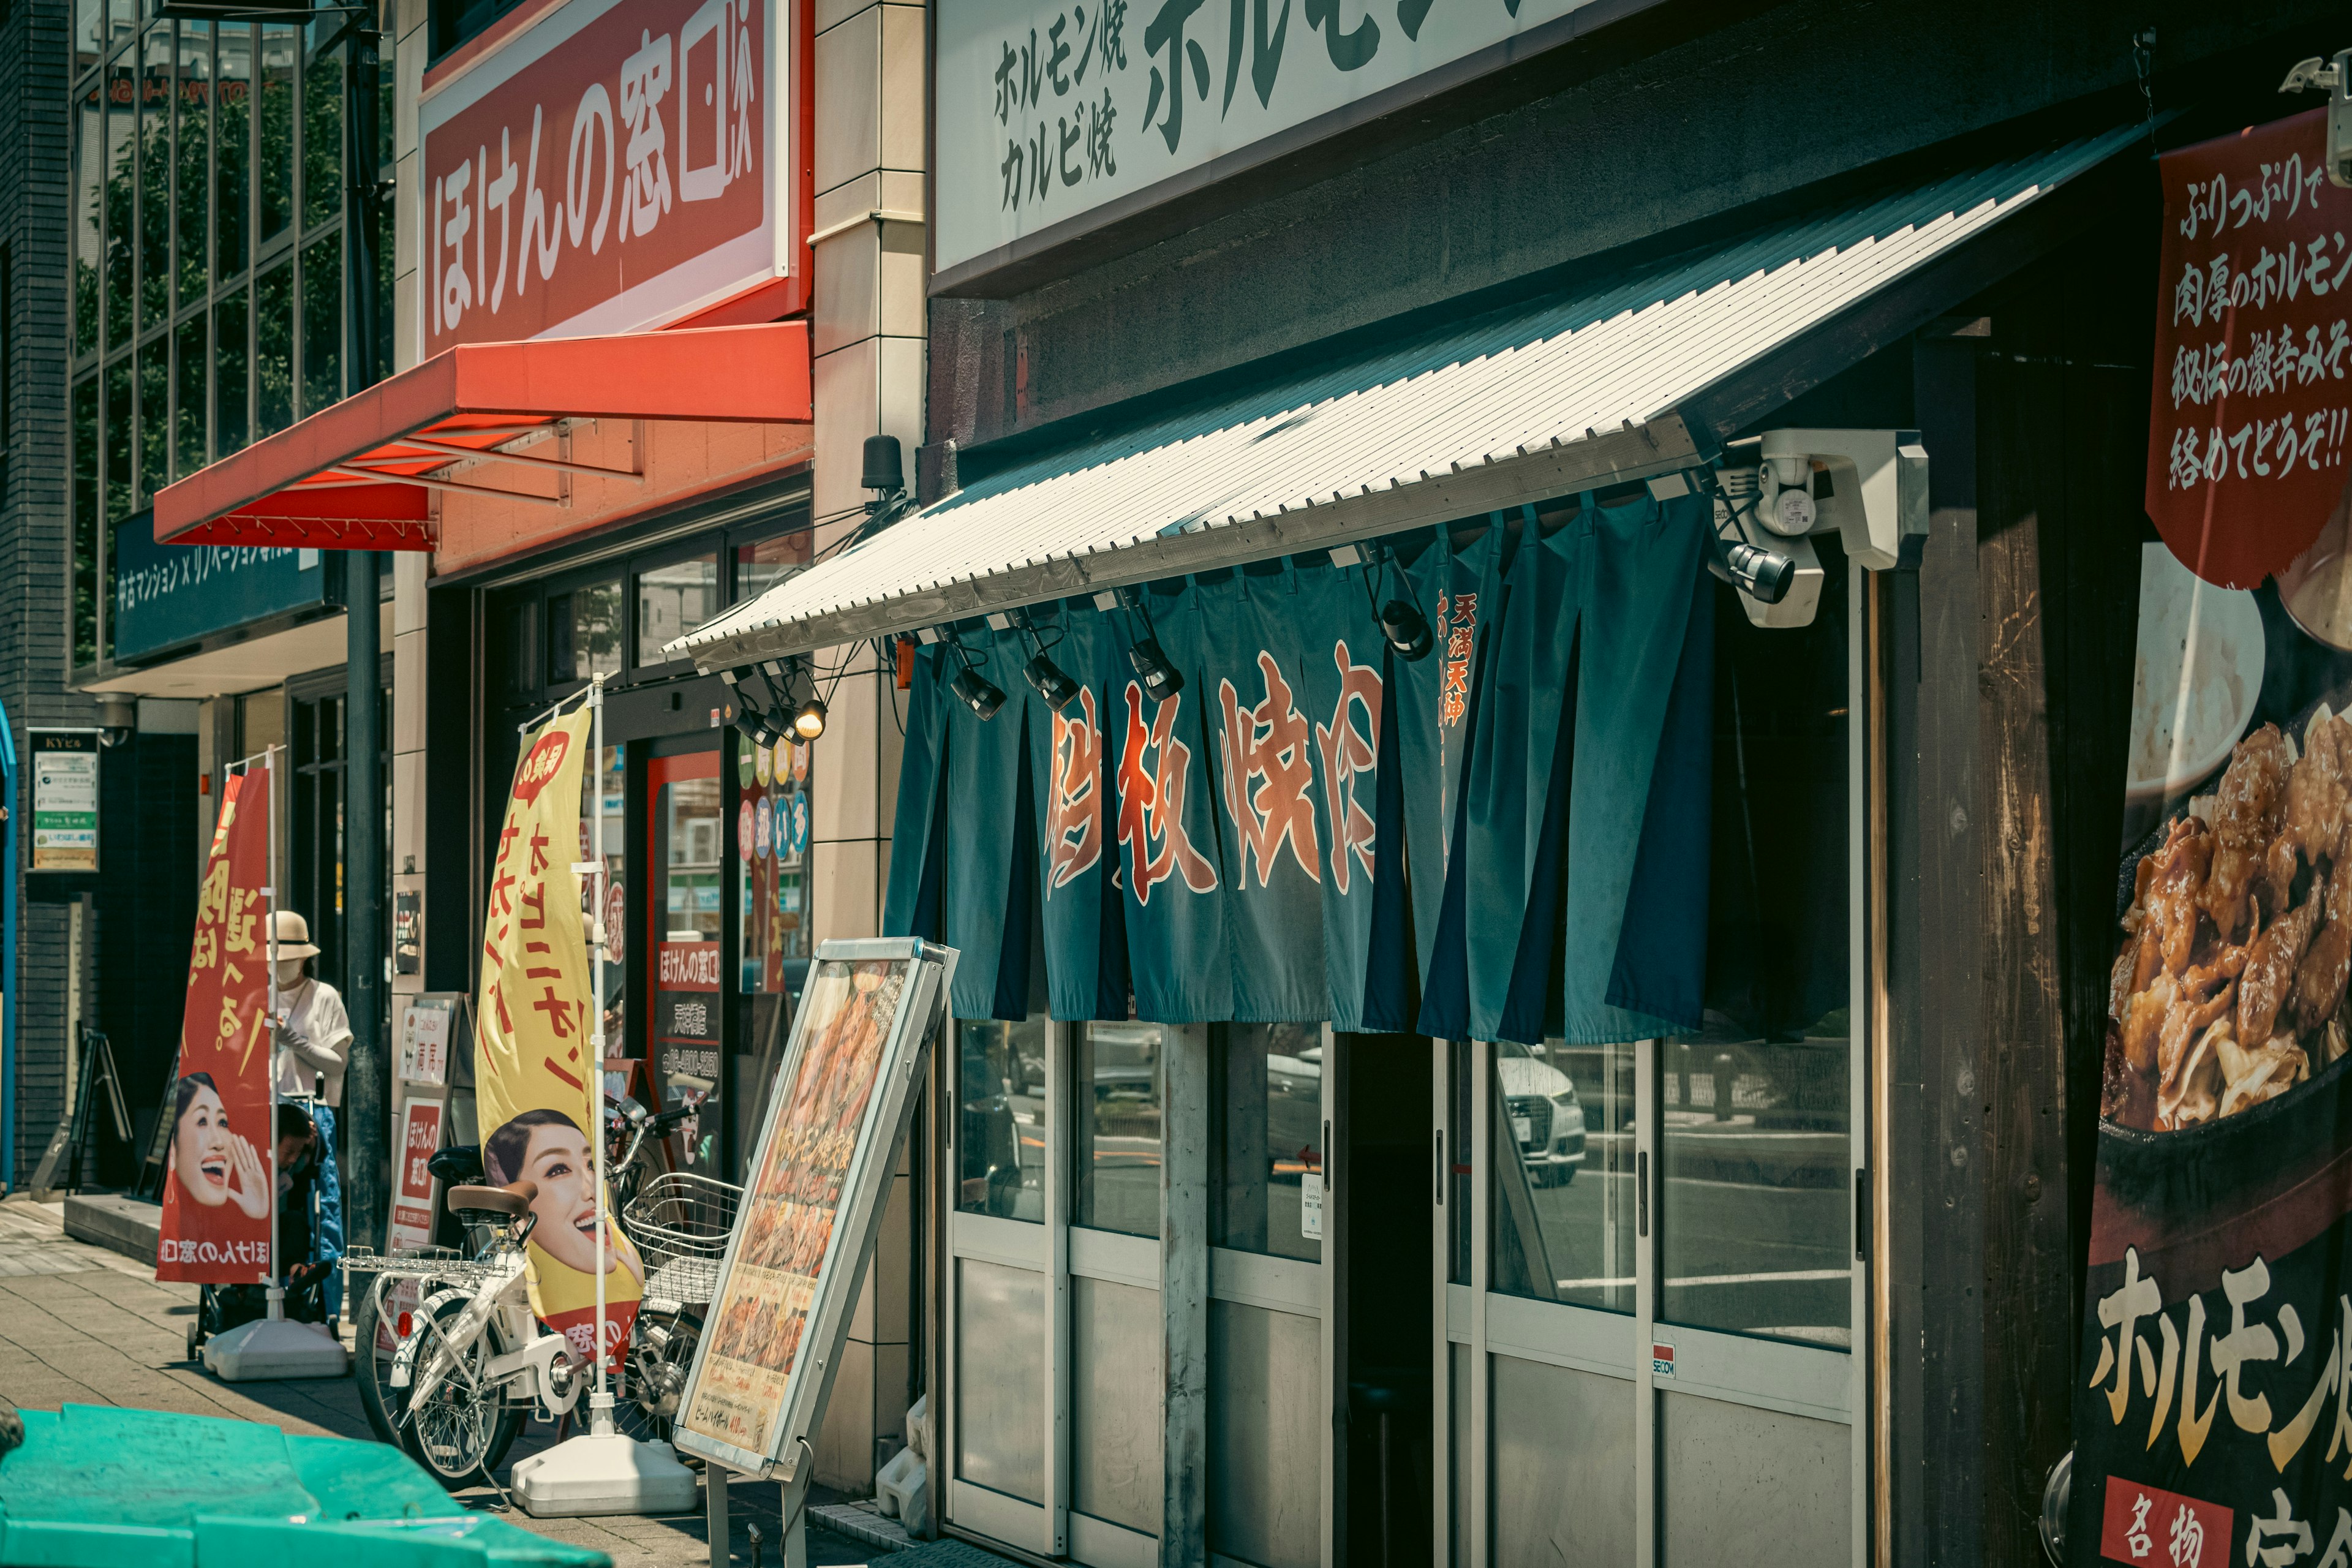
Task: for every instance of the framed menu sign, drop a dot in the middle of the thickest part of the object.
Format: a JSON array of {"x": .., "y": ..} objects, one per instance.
[{"x": 806, "y": 1225}]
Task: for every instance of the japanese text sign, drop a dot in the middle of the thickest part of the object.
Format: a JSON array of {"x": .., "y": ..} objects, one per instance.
[
  {"x": 424, "y": 1040},
  {"x": 1047, "y": 109},
  {"x": 412, "y": 1198},
  {"x": 2252, "y": 409},
  {"x": 609, "y": 168},
  {"x": 214, "y": 1227}
]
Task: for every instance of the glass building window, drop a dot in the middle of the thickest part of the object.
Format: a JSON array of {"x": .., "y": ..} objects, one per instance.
[
  {"x": 322, "y": 322},
  {"x": 232, "y": 372},
  {"x": 192, "y": 157},
  {"x": 273, "y": 349},
  {"x": 1268, "y": 1109},
  {"x": 1755, "y": 1150},
  {"x": 155, "y": 178},
  {"x": 583, "y": 632},
  {"x": 1116, "y": 1075},
  {"x": 274, "y": 135},
  {"x": 322, "y": 131},
  {"x": 190, "y": 373},
  {"x": 122, "y": 199},
  {"x": 764, "y": 563},
  {"x": 1001, "y": 1080},
  {"x": 672, "y": 600},
  {"x": 1562, "y": 1206},
  {"x": 89, "y": 245},
  {"x": 84, "y": 520},
  {"x": 233, "y": 169}
]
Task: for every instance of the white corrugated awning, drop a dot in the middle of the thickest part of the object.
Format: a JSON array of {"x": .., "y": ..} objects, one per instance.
[{"x": 1639, "y": 375}]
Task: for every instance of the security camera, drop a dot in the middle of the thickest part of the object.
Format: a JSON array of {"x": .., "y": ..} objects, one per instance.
[{"x": 118, "y": 719}]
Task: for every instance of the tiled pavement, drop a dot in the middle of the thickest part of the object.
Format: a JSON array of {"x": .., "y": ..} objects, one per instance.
[{"x": 82, "y": 1325}]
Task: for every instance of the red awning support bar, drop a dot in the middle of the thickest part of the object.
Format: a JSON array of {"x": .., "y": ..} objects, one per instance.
[
  {"x": 421, "y": 482},
  {"x": 493, "y": 453}
]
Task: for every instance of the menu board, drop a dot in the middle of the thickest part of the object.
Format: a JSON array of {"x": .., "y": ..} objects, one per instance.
[{"x": 806, "y": 1225}]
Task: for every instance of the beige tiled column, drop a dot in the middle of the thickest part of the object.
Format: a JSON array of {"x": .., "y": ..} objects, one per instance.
[
  {"x": 869, "y": 339},
  {"x": 409, "y": 572}
]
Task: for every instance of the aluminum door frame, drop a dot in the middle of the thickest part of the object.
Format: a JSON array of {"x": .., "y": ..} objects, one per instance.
[{"x": 1791, "y": 1378}]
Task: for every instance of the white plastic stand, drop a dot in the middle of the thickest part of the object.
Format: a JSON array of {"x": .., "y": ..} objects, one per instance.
[
  {"x": 275, "y": 1348},
  {"x": 601, "y": 1471}
]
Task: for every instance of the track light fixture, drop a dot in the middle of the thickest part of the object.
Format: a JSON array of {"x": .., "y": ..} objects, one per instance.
[
  {"x": 977, "y": 693},
  {"x": 1159, "y": 677},
  {"x": 1051, "y": 683},
  {"x": 1762, "y": 573},
  {"x": 809, "y": 722},
  {"x": 1406, "y": 628}
]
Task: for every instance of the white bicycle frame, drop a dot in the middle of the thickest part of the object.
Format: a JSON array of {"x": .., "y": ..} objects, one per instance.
[{"x": 499, "y": 1306}]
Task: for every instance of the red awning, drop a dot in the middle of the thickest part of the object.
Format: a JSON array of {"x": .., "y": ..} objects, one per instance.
[{"x": 358, "y": 476}]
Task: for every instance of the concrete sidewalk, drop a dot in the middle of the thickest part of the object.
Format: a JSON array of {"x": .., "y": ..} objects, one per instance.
[{"x": 79, "y": 1324}]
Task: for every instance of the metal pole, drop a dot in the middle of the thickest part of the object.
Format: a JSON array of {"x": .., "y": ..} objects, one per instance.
[
  {"x": 600, "y": 1408},
  {"x": 363, "y": 884},
  {"x": 275, "y": 1291}
]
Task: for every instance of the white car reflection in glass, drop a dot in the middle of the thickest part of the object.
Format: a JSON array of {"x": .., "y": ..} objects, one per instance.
[{"x": 1547, "y": 1118}]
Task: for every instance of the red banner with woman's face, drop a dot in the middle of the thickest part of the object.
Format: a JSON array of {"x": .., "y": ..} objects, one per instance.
[{"x": 216, "y": 1197}]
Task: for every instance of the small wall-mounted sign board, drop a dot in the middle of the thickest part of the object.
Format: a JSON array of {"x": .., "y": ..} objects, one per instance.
[
  {"x": 429, "y": 1022},
  {"x": 806, "y": 1225},
  {"x": 65, "y": 800}
]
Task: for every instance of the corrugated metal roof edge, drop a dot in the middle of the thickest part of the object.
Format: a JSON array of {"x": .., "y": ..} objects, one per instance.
[{"x": 1564, "y": 467}]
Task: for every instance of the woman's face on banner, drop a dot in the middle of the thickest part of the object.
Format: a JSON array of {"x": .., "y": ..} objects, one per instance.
[
  {"x": 201, "y": 1149},
  {"x": 559, "y": 1161}
]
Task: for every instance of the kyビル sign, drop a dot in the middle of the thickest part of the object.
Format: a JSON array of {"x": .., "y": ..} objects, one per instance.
[
  {"x": 65, "y": 800},
  {"x": 610, "y": 168},
  {"x": 1049, "y": 110}
]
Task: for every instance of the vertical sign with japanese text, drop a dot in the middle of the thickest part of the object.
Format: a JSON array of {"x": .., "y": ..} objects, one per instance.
[
  {"x": 214, "y": 1227},
  {"x": 412, "y": 1196},
  {"x": 65, "y": 800},
  {"x": 610, "y": 168},
  {"x": 1048, "y": 110},
  {"x": 2251, "y": 416},
  {"x": 535, "y": 1056}
]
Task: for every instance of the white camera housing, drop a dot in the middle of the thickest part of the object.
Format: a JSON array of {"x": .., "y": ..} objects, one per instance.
[{"x": 1877, "y": 484}]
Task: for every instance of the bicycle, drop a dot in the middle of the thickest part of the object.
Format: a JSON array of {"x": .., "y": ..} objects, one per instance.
[{"x": 449, "y": 1356}]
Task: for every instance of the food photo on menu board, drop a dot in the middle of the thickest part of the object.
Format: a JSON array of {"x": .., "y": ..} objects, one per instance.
[{"x": 839, "y": 1110}]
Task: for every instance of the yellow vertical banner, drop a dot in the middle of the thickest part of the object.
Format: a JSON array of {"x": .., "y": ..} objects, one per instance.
[{"x": 536, "y": 1044}]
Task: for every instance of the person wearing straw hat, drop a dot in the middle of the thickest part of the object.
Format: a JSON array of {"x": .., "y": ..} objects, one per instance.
[{"x": 314, "y": 1032}]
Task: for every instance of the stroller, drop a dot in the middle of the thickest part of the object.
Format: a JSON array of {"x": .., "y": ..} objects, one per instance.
[{"x": 310, "y": 1238}]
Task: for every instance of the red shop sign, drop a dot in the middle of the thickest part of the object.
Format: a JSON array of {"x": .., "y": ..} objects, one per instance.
[
  {"x": 610, "y": 168},
  {"x": 2252, "y": 413}
]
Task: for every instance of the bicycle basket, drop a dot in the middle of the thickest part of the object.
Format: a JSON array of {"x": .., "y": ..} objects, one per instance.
[{"x": 680, "y": 1223}]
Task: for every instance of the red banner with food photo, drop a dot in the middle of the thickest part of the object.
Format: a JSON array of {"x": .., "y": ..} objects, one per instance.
[
  {"x": 2213, "y": 1410},
  {"x": 2252, "y": 413},
  {"x": 214, "y": 1227}
]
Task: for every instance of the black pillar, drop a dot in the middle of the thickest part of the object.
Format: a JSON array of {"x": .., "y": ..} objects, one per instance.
[{"x": 366, "y": 1085}]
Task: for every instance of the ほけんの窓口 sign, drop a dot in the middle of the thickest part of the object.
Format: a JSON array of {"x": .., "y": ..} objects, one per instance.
[{"x": 610, "y": 168}]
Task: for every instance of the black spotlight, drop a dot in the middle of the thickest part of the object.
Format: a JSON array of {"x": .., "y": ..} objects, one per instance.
[
  {"x": 1057, "y": 688},
  {"x": 1762, "y": 574},
  {"x": 1159, "y": 678},
  {"x": 752, "y": 724},
  {"x": 977, "y": 693},
  {"x": 1406, "y": 628},
  {"x": 809, "y": 722}
]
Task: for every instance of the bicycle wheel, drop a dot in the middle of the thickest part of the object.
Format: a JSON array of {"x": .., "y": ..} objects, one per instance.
[
  {"x": 661, "y": 1354},
  {"x": 380, "y": 1318},
  {"x": 462, "y": 1430}
]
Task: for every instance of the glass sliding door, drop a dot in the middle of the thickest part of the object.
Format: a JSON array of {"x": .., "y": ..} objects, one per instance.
[{"x": 1646, "y": 1350}]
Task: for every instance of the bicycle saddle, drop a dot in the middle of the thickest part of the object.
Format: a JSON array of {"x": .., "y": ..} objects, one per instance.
[{"x": 510, "y": 1201}]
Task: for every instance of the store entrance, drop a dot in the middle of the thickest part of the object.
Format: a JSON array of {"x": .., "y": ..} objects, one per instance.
[
  {"x": 1646, "y": 1348},
  {"x": 683, "y": 927},
  {"x": 1057, "y": 1305}
]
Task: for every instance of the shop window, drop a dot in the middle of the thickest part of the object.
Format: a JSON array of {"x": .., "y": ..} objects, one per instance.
[
  {"x": 583, "y": 632},
  {"x": 1755, "y": 1155},
  {"x": 514, "y": 631},
  {"x": 605, "y": 788},
  {"x": 1269, "y": 1107},
  {"x": 672, "y": 600},
  {"x": 771, "y": 852},
  {"x": 1002, "y": 1081},
  {"x": 1115, "y": 1097},
  {"x": 1562, "y": 1168},
  {"x": 764, "y": 563},
  {"x": 685, "y": 917}
]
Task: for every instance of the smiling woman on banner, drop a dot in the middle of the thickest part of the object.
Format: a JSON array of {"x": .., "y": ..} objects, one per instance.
[
  {"x": 536, "y": 1044},
  {"x": 216, "y": 1168}
]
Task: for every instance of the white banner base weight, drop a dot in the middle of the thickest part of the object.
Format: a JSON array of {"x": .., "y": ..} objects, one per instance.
[
  {"x": 273, "y": 1348},
  {"x": 601, "y": 1473}
]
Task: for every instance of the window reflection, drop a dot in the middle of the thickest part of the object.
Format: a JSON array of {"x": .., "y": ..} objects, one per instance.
[
  {"x": 1755, "y": 1153},
  {"x": 1117, "y": 1074},
  {"x": 1269, "y": 1106},
  {"x": 1002, "y": 1080},
  {"x": 760, "y": 566},
  {"x": 672, "y": 600},
  {"x": 583, "y": 632},
  {"x": 1562, "y": 1167}
]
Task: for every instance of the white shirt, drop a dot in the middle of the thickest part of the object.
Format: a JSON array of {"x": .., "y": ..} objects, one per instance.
[{"x": 312, "y": 1009}]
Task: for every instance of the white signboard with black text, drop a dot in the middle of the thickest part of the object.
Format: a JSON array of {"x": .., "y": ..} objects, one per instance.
[{"x": 1048, "y": 110}]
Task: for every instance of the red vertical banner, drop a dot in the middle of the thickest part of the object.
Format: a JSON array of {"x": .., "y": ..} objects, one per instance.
[
  {"x": 217, "y": 1193},
  {"x": 2252, "y": 414}
]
